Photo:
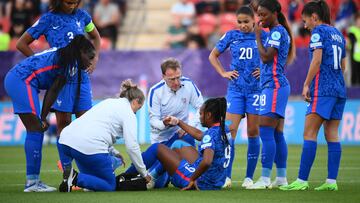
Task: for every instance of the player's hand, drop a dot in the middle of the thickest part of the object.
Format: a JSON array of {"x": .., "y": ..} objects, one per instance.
[
  {"x": 306, "y": 93},
  {"x": 121, "y": 157},
  {"x": 230, "y": 75},
  {"x": 256, "y": 73},
  {"x": 258, "y": 28},
  {"x": 192, "y": 186},
  {"x": 44, "y": 125},
  {"x": 167, "y": 120},
  {"x": 147, "y": 178},
  {"x": 92, "y": 67}
]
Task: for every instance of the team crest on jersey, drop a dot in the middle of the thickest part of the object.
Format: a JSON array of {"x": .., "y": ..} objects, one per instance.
[
  {"x": 315, "y": 37},
  {"x": 276, "y": 35},
  {"x": 206, "y": 139}
]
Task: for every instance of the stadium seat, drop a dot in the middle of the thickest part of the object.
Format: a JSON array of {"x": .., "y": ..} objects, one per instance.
[
  {"x": 5, "y": 22},
  {"x": 227, "y": 21},
  {"x": 105, "y": 43},
  {"x": 207, "y": 24}
]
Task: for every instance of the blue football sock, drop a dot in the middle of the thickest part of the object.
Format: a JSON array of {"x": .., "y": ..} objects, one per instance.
[
  {"x": 307, "y": 159},
  {"x": 149, "y": 158},
  {"x": 33, "y": 150},
  {"x": 252, "y": 155},
  {"x": 60, "y": 150},
  {"x": 232, "y": 157},
  {"x": 334, "y": 156},
  {"x": 281, "y": 154},
  {"x": 268, "y": 149},
  {"x": 156, "y": 170}
]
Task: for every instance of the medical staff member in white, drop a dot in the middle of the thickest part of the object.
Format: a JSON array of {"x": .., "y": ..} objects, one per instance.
[
  {"x": 172, "y": 96},
  {"x": 88, "y": 138}
]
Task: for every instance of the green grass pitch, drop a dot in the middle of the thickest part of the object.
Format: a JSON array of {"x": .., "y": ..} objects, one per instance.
[{"x": 12, "y": 177}]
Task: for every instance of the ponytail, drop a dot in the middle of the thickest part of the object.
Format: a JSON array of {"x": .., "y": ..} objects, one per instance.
[
  {"x": 274, "y": 6},
  {"x": 320, "y": 8},
  {"x": 217, "y": 108},
  {"x": 131, "y": 91}
]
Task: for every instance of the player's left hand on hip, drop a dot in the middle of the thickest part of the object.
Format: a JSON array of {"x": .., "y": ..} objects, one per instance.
[{"x": 256, "y": 73}]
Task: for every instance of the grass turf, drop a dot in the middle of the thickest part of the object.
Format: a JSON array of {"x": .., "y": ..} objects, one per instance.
[{"x": 12, "y": 178}]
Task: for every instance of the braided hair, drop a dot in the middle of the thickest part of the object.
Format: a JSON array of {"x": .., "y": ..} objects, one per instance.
[
  {"x": 70, "y": 56},
  {"x": 217, "y": 108}
]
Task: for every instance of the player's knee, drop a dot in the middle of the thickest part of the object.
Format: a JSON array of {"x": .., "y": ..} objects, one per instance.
[
  {"x": 253, "y": 131},
  {"x": 233, "y": 131},
  {"x": 331, "y": 137}
]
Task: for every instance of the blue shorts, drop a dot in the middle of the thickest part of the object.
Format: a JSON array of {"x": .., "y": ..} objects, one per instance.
[
  {"x": 241, "y": 103},
  {"x": 91, "y": 166},
  {"x": 24, "y": 96},
  {"x": 181, "y": 177},
  {"x": 274, "y": 100},
  {"x": 329, "y": 108},
  {"x": 67, "y": 98},
  {"x": 187, "y": 138}
]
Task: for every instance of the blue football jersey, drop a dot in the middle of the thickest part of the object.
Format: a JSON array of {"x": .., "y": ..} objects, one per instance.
[
  {"x": 330, "y": 80},
  {"x": 60, "y": 28},
  {"x": 39, "y": 70},
  {"x": 214, "y": 177},
  {"x": 272, "y": 73},
  {"x": 245, "y": 58}
]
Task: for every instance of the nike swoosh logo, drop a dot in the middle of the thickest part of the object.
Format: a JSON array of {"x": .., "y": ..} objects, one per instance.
[{"x": 55, "y": 27}]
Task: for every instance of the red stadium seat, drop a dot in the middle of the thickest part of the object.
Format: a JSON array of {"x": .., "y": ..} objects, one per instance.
[
  {"x": 207, "y": 24},
  {"x": 105, "y": 43},
  {"x": 6, "y": 24},
  {"x": 227, "y": 21}
]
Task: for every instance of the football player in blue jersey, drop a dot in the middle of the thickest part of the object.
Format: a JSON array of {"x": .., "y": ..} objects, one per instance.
[
  {"x": 243, "y": 94},
  {"x": 60, "y": 26},
  {"x": 324, "y": 89},
  {"x": 204, "y": 169},
  {"x": 48, "y": 70},
  {"x": 278, "y": 50}
]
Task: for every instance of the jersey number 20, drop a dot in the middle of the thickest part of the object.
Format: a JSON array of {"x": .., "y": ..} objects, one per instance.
[{"x": 246, "y": 53}]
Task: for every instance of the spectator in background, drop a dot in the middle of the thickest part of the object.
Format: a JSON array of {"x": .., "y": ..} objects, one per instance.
[
  {"x": 20, "y": 17},
  {"x": 194, "y": 39},
  {"x": 185, "y": 10},
  {"x": 346, "y": 12},
  {"x": 354, "y": 44},
  {"x": 176, "y": 35},
  {"x": 303, "y": 39},
  {"x": 107, "y": 20},
  {"x": 208, "y": 6},
  {"x": 4, "y": 40}
]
